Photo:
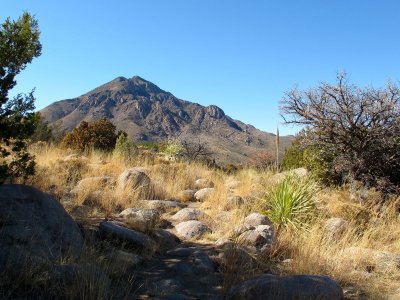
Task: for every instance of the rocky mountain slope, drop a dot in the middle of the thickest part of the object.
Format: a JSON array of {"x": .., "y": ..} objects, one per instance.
[{"x": 148, "y": 113}]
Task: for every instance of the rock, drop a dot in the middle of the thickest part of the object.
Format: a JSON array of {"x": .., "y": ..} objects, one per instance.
[
  {"x": 187, "y": 214},
  {"x": 192, "y": 229},
  {"x": 203, "y": 183},
  {"x": 141, "y": 219},
  {"x": 299, "y": 172},
  {"x": 115, "y": 230},
  {"x": 94, "y": 182},
  {"x": 81, "y": 211},
  {"x": 234, "y": 202},
  {"x": 186, "y": 195},
  {"x": 302, "y": 287},
  {"x": 233, "y": 256},
  {"x": 71, "y": 157},
  {"x": 182, "y": 251},
  {"x": 35, "y": 228},
  {"x": 202, "y": 194},
  {"x": 383, "y": 261},
  {"x": 232, "y": 184},
  {"x": 241, "y": 229},
  {"x": 165, "y": 239},
  {"x": 202, "y": 263},
  {"x": 336, "y": 226},
  {"x": 124, "y": 260},
  {"x": 256, "y": 219},
  {"x": 261, "y": 238},
  {"x": 223, "y": 241},
  {"x": 134, "y": 178},
  {"x": 162, "y": 205}
]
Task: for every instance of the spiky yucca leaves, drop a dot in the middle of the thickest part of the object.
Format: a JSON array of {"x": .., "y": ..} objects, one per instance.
[{"x": 292, "y": 202}]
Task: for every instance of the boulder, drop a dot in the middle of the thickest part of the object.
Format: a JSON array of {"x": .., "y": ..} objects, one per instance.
[
  {"x": 256, "y": 219},
  {"x": 202, "y": 194},
  {"x": 301, "y": 287},
  {"x": 162, "y": 205},
  {"x": 186, "y": 195},
  {"x": 34, "y": 228},
  {"x": 203, "y": 183},
  {"x": 116, "y": 230},
  {"x": 141, "y": 219},
  {"x": 192, "y": 229},
  {"x": 262, "y": 237},
  {"x": 165, "y": 239},
  {"x": 336, "y": 226},
  {"x": 187, "y": 214},
  {"x": 134, "y": 178}
]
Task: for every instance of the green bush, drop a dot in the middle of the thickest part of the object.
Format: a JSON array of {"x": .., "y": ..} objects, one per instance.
[
  {"x": 172, "y": 149},
  {"x": 291, "y": 202},
  {"x": 124, "y": 148}
]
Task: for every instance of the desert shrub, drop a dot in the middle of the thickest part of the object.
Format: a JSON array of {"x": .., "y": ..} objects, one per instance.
[
  {"x": 291, "y": 202},
  {"x": 98, "y": 134},
  {"x": 356, "y": 131},
  {"x": 262, "y": 161},
  {"x": 172, "y": 149},
  {"x": 124, "y": 147}
]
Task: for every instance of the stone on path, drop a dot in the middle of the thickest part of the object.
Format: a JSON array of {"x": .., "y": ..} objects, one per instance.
[
  {"x": 300, "y": 287},
  {"x": 192, "y": 229}
]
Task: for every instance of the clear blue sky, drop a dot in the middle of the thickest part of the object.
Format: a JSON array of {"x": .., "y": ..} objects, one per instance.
[{"x": 239, "y": 55}]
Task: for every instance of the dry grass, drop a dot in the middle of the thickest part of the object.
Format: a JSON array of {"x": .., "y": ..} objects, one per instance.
[{"x": 372, "y": 227}]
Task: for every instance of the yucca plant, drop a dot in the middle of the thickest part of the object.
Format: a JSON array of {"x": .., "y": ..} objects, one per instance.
[{"x": 291, "y": 203}]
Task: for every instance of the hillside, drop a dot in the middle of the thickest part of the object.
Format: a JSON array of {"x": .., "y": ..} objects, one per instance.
[{"x": 149, "y": 113}]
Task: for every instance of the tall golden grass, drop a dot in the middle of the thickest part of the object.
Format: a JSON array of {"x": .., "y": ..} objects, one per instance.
[{"x": 373, "y": 225}]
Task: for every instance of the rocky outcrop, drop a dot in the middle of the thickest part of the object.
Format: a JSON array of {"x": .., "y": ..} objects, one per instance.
[{"x": 202, "y": 194}]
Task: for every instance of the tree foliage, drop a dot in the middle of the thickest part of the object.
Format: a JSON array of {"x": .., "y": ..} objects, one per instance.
[
  {"x": 98, "y": 134},
  {"x": 354, "y": 131},
  {"x": 19, "y": 44}
]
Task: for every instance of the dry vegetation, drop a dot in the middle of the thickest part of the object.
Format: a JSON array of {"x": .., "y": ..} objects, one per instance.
[{"x": 358, "y": 258}]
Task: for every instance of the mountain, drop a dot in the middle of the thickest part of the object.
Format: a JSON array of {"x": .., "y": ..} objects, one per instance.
[{"x": 148, "y": 113}]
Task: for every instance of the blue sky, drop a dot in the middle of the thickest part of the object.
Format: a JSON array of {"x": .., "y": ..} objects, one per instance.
[{"x": 239, "y": 55}]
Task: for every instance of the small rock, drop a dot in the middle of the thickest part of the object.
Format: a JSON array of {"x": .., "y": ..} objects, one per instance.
[
  {"x": 81, "y": 211},
  {"x": 181, "y": 251},
  {"x": 186, "y": 195},
  {"x": 336, "y": 226},
  {"x": 236, "y": 257},
  {"x": 232, "y": 184},
  {"x": 221, "y": 242},
  {"x": 162, "y": 205},
  {"x": 115, "y": 230},
  {"x": 202, "y": 263},
  {"x": 134, "y": 178},
  {"x": 187, "y": 214},
  {"x": 203, "y": 183},
  {"x": 192, "y": 229},
  {"x": 202, "y": 194},
  {"x": 287, "y": 287},
  {"x": 241, "y": 229},
  {"x": 141, "y": 219},
  {"x": 165, "y": 239},
  {"x": 256, "y": 219},
  {"x": 261, "y": 238}
]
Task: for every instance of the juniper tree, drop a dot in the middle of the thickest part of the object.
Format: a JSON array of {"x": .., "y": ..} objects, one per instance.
[{"x": 19, "y": 44}]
